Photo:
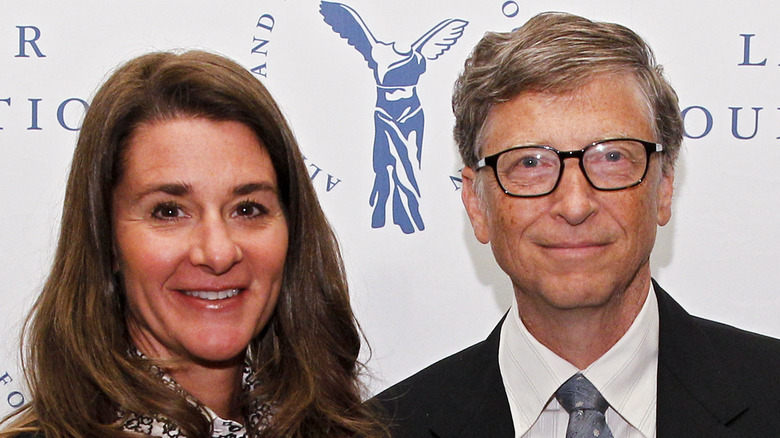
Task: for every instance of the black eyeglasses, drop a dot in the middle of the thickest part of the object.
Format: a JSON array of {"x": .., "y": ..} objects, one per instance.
[{"x": 531, "y": 171}]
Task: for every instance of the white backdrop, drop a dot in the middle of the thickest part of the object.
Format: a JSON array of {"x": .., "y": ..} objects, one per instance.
[{"x": 423, "y": 295}]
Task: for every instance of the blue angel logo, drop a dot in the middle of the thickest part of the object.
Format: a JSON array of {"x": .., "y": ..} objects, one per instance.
[{"x": 398, "y": 116}]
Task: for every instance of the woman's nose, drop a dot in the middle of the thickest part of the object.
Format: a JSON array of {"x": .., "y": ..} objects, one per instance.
[{"x": 214, "y": 247}]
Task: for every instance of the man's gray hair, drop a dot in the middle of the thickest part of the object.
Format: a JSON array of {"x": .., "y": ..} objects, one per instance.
[{"x": 557, "y": 53}]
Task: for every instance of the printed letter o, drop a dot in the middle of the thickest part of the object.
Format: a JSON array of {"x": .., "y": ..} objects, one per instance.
[
  {"x": 510, "y": 9},
  {"x": 707, "y": 127},
  {"x": 15, "y": 399}
]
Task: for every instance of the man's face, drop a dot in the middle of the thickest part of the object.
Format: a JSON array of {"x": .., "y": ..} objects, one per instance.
[{"x": 577, "y": 247}]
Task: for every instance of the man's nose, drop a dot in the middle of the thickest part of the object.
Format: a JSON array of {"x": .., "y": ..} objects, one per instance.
[
  {"x": 573, "y": 198},
  {"x": 213, "y": 246}
]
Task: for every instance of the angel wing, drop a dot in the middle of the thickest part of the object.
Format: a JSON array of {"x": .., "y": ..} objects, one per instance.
[
  {"x": 347, "y": 23},
  {"x": 439, "y": 39}
]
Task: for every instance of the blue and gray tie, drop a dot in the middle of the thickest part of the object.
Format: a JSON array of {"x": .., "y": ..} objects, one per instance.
[{"x": 586, "y": 408}]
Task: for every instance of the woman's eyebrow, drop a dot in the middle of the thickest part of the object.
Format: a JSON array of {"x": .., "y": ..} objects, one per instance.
[
  {"x": 173, "y": 189},
  {"x": 245, "y": 189}
]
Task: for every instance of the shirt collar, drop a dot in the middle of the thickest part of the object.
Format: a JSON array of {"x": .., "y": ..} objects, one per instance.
[
  {"x": 625, "y": 375},
  {"x": 221, "y": 427}
]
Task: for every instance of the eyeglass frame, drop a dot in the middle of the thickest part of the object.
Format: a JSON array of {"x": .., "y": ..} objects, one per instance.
[{"x": 492, "y": 161}]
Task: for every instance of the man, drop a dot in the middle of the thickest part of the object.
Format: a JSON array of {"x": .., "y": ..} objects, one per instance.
[{"x": 569, "y": 133}]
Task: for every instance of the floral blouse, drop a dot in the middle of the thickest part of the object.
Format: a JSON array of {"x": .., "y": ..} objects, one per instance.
[{"x": 259, "y": 416}]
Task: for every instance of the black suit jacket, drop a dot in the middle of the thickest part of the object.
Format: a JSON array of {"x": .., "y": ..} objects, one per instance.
[{"x": 713, "y": 381}]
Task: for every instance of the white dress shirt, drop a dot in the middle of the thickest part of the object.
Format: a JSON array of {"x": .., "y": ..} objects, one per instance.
[{"x": 625, "y": 375}]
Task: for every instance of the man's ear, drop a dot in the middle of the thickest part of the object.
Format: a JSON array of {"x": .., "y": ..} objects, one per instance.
[
  {"x": 474, "y": 205},
  {"x": 665, "y": 192}
]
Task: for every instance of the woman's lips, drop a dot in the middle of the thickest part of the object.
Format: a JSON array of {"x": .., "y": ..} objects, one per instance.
[{"x": 212, "y": 295}]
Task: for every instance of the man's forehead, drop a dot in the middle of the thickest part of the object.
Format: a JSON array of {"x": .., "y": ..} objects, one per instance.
[{"x": 523, "y": 119}]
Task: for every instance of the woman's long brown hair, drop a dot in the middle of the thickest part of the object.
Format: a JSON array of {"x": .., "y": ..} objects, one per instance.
[{"x": 77, "y": 362}]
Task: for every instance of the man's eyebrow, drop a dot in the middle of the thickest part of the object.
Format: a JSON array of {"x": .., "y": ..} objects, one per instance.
[{"x": 246, "y": 189}]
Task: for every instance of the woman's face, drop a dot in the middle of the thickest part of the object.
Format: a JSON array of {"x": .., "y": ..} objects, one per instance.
[{"x": 200, "y": 238}]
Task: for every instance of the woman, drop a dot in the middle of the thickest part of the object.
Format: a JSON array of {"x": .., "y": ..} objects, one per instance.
[{"x": 197, "y": 289}]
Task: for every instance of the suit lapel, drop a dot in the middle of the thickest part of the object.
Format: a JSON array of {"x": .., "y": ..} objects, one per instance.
[
  {"x": 696, "y": 392},
  {"x": 478, "y": 400}
]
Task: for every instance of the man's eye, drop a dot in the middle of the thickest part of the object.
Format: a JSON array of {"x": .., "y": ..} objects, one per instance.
[
  {"x": 167, "y": 211},
  {"x": 613, "y": 156},
  {"x": 529, "y": 162}
]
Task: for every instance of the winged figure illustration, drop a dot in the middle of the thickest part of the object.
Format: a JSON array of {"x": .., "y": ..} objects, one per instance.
[{"x": 398, "y": 116}]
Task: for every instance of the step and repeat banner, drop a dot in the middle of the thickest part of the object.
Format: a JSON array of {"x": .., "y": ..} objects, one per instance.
[{"x": 422, "y": 286}]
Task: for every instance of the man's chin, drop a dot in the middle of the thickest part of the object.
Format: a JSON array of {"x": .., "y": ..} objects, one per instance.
[
  {"x": 576, "y": 293},
  {"x": 578, "y": 300}
]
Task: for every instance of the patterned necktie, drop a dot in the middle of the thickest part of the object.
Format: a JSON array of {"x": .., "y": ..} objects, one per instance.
[{"x": 586, "y": 408}]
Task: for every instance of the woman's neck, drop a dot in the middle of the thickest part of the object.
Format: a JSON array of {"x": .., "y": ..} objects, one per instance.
[{"x": 218, "y": 388}]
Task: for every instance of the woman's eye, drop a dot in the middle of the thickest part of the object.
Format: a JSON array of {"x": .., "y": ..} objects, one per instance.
[
  {"x": 167, "y": 211},
  {"x": 250, "y": 209}
]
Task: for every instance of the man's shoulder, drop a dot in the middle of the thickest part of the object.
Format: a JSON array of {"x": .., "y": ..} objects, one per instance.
[
  {"x": 447, "y": 372},
  {"x": 713, "y": 375},
  {"x": 454, "y": 373},
  {"x": 680, "y": 329},
  {"x": 451, "y": 390},
  {"x": 730, "y": 340}
]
